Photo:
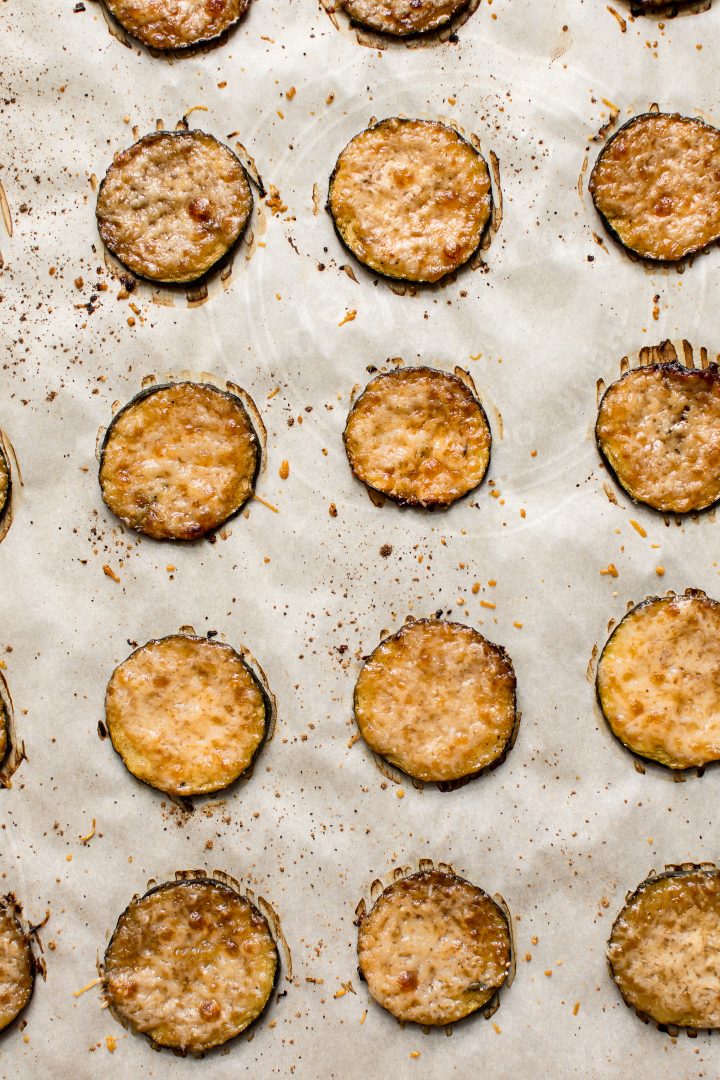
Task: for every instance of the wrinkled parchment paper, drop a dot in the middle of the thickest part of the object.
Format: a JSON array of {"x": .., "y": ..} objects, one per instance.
[{"x": 566, "y": 825}]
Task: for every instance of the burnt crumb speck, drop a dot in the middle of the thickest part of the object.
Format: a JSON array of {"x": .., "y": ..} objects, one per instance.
[
  {"x": 386, "y": 550},
  {"x": 78, "y": 8}
]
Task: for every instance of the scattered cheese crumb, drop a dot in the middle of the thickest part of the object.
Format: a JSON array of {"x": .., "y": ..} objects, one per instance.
[
  {"x": 284, "y": 470},
  {"x": 611, "y": 570},
  {"x": 660, "y": 571},
  {"x": 109, "y": 572},
  {"x": 349, "y": 317},
  {"x": 638, "y": 527}
]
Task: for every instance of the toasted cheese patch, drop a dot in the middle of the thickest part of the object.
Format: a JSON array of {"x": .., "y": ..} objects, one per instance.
[
  {"x": 191, "y": 964},
  {"x": 5, "y": 482},
  {"x": 434, "y": 948},
  {"x": 656, "y": 184},
  {"x": 176, "y": 24},
  {"x": 179, "y": 460},
  {"x": 664, "y": 949},
  {"x": 419, "y": 436},
  {"x": 173, "y": 204},
  {"x": 17, "y": 969},
  {"x": 403, "y": 17},
  {"x": 185, "y": 714},
  {"x": 658, "y": 429},
  {"x": 411, "y": 199},
  {"x": 437, "y": 700},
  {"x": 658, "y": 680}
]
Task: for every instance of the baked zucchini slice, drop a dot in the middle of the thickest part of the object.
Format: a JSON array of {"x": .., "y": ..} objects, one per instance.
[
  {"x": 419, "y": 436},
  {"x": 5, "y": 485},
  {"x": 437, "y": 700},
  {"x": 656, "y": 185},
  {"x": 658, "y": 430},
  {"x": 190, "y": 965},
  {"x": 173, "y": 204},
  {"x": 399, "y": 18},
  {"x": 171, "y": 25},
  {"x": 658, "y": 680},
  {"x": 17, "y": 966},
  {"x": 410, "y": 199},
  {"x": 664, "y": 949},
  {"x": 179, "y": 460},
  {"x": 434, "y": 948},
  {"x": 185, "y": 714}
]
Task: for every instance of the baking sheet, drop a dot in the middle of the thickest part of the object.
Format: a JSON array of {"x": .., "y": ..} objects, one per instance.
[{"x": 566, "y": 825}]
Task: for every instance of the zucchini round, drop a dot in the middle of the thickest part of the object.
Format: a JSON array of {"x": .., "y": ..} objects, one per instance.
[
  {"x": 17, "y": 967},
  {"x": 399, "y": 18},
  {"x": 190, "y": 965},
  {"x": 173, "y": 204},
  {"x": 185, "y": 714},
  {"x": 410, "y": 199},
  {"x": 179, "y": 460},
  {"x": 434, "y": 948},
  {"x": 419, "y": 436},
  {"x": 658, "y": 430},
  {"x": 664, "y": 948},
  {"x": 658, "y": 680},
  {"x": 437, "y": 700},
  {"x": 656, "y": 185},
  {"x": 171, "y": 25},
  {"x": 5, "y": 482}
]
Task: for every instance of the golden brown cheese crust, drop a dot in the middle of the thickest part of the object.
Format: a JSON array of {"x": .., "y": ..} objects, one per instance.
[
  {"x": 434, "y": 948},
  {"x": 664, "y": 950},
  {"x": 437, "y": 700},
  {"x": 658, "y": 680},
  {"x": 17, "y": 968},
  {"x": 402, "y": 17},
  {"x": 658, "y": 429},
  {"x": 411, "y": 199},
  {"x": 419, "y": 436},
  {"x": 656, "y": 184},
  {"x": 191, "y": 964},
  {"x": 176, "y": 24},
  {"x": 185, "y": 714},
  {"x": 173, "y": 204},
  {"x": 5, "y": 483},
  {"x": 179, "y": 460}
]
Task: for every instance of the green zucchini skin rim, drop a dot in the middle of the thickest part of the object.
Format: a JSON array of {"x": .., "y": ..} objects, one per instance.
[
  {"x": 199, "y": 880},
  {"x": 207, "y": 272},
  {"x": 10, "y": 904},
  {"x": 447, "y": 785},
  {"x": 709, "y": 870},
  {"x": 147, "y": 392},
  {"x": 267, "y": 713},
  {"x": 417, "y": 503},
  {"x": 633, "y": 610},
  {"x": 504, "y": 911},
  {"x": 406, "y": 35},
  {"x": 711, "y": 372},
  {"x": 182, "y": 50},
  {"x": 647, "y": 115},
  {"x": 398, "y": 277}
]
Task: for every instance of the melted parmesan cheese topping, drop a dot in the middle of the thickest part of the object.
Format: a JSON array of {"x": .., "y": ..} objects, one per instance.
[
  {"x": 659, "y": 428},
  {"x": 437, "y": 700},
  {"x": 173, "y": 204},
  {"x": 658, "y": 680},
  {"x": 419, "y": 436},
  {"x": 664, "y": 950},
  {"x": 185, "y": 714},
  {"x": 411, "y": 199},
  {"x": 175, "y": 24},
  {"x": 179, "y": 461},
  {"x": 16, "y": 966},
  {"x": 402, "y": 17},
  {"x": 191, "y": 965},
  {"x": 434, "y": 948},
  {"x": 657, "y": 185}
]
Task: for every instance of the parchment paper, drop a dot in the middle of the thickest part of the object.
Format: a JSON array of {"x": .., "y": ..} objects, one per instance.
[{"x": 566, "y": 825}]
